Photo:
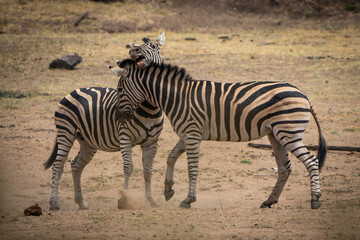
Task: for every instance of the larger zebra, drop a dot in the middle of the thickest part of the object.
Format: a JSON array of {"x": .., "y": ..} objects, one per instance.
[
  {"x": 89, "y": 115},
  {"x": 204, "y": 110}
]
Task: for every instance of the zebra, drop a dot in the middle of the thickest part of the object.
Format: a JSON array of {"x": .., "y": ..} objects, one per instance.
[
  {"x": 89, "y": 115},
  {"x": 148, "y": 52},
  {"x": 239, "y": 112}
]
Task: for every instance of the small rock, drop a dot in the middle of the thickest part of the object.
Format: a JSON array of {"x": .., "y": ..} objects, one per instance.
[
  {"x": 34, "y": 210},
  {"x": 68, "y": 62},
  {"x": 128, "y": 46}
]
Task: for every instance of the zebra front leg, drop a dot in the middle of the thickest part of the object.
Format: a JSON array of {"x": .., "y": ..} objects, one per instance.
[
  {"x": 192, "y": 144},
  {"x": 125, "y": 148},
  {"x": 284, "y": 171},
  {"x": 149, "y": 152},
  {"x": 83, "y": 157},
  {"x": 169, "y": 178}
]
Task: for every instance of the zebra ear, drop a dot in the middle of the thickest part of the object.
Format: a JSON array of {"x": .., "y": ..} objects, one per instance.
[
  {"x": 161, "y": 39},
  {"x": 116, "y": 71}
]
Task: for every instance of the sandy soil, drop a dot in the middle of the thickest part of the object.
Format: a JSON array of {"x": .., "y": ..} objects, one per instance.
[{"x": 234, "y": 178}]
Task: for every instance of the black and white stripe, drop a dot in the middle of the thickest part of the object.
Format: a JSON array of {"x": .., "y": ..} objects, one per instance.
[
  {"x": 89, "y": 115},
  {"x": 205, "y": 110}
]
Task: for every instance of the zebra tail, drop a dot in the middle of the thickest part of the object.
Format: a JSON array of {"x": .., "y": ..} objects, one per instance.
[
  {"x": 322, "y": 143},
  {"x": 52, "y": 157}
]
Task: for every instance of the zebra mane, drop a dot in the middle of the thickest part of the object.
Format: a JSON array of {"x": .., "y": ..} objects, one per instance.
[{"x": 173, "y": 68}]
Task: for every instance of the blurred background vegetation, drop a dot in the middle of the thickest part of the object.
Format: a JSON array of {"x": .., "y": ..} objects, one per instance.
[{"x": 31, "y": 16}]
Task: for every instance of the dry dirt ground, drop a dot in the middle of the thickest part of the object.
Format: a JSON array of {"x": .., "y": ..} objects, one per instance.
[{"x": 323, "y": 60}]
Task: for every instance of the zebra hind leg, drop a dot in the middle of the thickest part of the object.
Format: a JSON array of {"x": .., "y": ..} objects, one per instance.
[
  {"x": 172, "y": 158},
  {"x": 83, "y": 157},
  {"x": 297, "y": 148},
  {"x": 57, "y": 170},
  {"x": 284, "y": 171}
]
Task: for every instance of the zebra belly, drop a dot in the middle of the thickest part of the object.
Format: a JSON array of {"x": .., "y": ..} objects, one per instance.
[{"x": 234, "y": 137}]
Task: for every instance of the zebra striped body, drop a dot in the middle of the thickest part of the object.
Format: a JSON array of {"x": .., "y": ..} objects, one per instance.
[
  {"x": 93, "y": 119},
  {"x": 89, "y": 115},
  {"x": 205, "y": 110}
]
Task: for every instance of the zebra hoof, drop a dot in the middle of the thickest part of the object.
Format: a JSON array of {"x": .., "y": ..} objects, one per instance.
[
  {"x": 169, "y": 194},
  {"x": 152, "y": 202},
  {"x": 315, "y": 204},
  {"x": 184, "y": 204},
  {"x": 54, "y": 208},
  {"x": 265, "y": 205},
  {"x": 154, "y": 205},
  {"x": 84, "y": 207},
  {"x": 122, "y": 202}
]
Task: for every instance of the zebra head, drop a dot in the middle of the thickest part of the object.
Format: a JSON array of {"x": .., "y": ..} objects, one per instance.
[
  {"x": 130, "y": 96},
  {"x": 148, "y": 52}
]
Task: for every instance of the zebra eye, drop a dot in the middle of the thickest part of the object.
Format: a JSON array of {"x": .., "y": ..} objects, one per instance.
[{"x": 152, "y": 46}]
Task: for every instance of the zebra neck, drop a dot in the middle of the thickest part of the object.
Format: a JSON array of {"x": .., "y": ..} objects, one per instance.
[{"x": 166, "y": 88}]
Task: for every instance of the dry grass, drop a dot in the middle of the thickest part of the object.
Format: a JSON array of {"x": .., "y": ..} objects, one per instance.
[{"x": 40, "y": 16}]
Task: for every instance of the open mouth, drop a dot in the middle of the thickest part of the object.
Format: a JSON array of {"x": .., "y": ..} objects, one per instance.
[{"x": 140, "y": 61}]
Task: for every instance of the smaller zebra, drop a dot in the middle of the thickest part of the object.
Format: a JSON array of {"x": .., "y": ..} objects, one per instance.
[{"x": 89, "y": 115}]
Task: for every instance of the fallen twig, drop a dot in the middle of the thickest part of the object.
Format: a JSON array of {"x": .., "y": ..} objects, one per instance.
[
  {"x": 311, "y": 147},
  {"x": 84, "y": 15}
]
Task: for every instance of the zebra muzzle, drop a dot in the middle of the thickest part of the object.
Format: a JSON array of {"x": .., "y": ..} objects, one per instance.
[{"x": 140, "y": 61}]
